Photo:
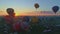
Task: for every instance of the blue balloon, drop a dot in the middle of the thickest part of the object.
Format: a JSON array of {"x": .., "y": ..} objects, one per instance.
[{"x": 55, "y": 9}]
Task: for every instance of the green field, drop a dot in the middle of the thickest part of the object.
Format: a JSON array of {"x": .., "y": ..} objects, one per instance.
[{"x": 44, "y": 21}]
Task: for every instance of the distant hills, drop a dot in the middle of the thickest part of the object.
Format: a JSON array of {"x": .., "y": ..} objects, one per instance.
[
  {"x": 41, "y": 13},
  {"x": 36, "y": 13}
]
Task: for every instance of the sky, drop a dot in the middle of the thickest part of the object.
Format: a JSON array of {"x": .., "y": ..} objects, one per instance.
[{"x": 22, "y": 6}]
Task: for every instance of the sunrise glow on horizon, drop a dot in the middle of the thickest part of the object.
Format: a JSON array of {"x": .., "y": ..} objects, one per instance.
[{"x": 23, "y": 6}]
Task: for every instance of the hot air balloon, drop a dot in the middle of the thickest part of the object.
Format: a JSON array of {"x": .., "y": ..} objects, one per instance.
[
  {"x": 55, "y": 9},
  {"x": 34, "y": 20},
  {"x": 36, "y": 5}
]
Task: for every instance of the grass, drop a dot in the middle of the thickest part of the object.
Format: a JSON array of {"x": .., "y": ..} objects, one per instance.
[{"x": 43, "y": 21}]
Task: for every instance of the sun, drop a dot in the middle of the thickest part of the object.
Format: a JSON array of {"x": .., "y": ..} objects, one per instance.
[{"x": 17, "y": 14}]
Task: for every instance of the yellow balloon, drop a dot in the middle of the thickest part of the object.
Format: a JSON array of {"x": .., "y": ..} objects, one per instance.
[{"x": 34, "y": 20}]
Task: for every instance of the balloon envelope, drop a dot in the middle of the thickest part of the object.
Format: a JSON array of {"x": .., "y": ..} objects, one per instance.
[
  {"x": 36, "y": 5},
  {"x": 34, "y": 19},
  {"x": 55, "y": 8}
]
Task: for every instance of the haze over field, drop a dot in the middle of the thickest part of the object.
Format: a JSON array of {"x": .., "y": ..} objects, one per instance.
[
  {"x": 40, "y": 13},
  {"x": 35, "y": 13}
]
